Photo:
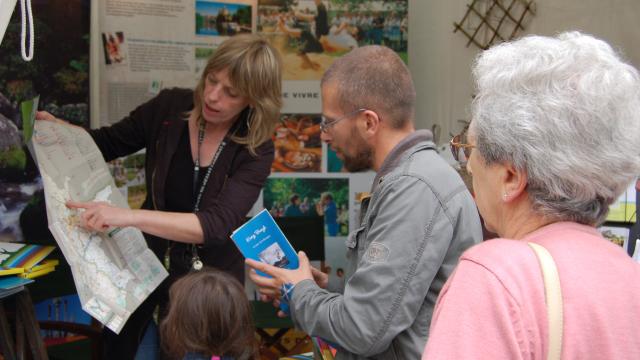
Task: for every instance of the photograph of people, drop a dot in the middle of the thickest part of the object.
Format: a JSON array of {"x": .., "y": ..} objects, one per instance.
[
  {"x": 208, "y": 154},
  {"x": 311, "y": 34},
  {"x": 327, "y": 208},
  {"x": 327, "y": 197}
]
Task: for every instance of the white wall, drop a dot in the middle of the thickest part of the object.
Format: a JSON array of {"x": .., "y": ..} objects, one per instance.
[{"x": 440, "y": 63}]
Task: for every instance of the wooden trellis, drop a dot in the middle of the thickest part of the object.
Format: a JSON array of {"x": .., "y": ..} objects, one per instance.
[{"x": 488, "y": 21}]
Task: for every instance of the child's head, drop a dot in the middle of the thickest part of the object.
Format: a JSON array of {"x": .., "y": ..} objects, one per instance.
[{"x": 209, "y": 314}]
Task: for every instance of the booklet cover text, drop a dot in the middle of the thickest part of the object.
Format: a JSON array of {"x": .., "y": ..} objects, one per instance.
[{"x": 262, "y": 240}]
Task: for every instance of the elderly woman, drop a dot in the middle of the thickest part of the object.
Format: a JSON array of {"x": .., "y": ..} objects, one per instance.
[{"x": 554, "y": 140}]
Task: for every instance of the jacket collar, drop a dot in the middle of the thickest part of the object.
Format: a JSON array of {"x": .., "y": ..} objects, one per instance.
[{"x": 401, "y": 152}]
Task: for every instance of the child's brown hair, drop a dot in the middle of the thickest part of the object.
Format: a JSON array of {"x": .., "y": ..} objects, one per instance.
[{"x": 208, "y": 314}]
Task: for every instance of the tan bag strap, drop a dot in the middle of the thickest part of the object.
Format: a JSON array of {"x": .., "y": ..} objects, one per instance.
[{"x": 553, "y": 298}]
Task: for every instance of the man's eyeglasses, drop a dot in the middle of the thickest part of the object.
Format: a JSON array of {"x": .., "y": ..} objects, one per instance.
[
  {"x": 460, "y": 149},
  {"x": 326, "y": 123}
]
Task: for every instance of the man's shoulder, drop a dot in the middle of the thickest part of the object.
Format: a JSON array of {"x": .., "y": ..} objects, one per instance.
[{"x": 428, "y": 166}]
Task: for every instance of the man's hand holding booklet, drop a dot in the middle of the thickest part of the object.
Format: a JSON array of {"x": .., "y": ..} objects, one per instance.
[{"x": 277, "y": 267}]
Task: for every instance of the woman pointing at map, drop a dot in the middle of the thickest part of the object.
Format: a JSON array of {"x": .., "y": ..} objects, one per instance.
[{"x": 208, "y": 154}]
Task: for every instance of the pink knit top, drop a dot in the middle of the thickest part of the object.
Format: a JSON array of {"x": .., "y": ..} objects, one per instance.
[{"x": 493, "y": 306}]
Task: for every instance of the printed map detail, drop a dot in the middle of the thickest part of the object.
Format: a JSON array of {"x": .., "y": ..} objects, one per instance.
[{"x": 114, "y": 271}]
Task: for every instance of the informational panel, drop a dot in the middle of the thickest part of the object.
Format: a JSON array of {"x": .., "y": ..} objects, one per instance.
[{"x": 147, "y": 45}]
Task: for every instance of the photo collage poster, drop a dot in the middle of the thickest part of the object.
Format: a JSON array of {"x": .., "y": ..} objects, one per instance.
[
  {"x": 310, "y": 35},
  {"x": 147, "y": 46}
]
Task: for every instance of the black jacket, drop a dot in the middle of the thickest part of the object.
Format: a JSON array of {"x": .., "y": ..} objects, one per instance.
[{"x": 231, "y": 190}]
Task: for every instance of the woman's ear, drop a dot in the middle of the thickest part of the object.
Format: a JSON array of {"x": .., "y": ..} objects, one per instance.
[{"x": 514, "y": 182}]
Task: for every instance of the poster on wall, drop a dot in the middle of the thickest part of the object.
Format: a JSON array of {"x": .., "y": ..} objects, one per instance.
[
  {"x": 311, "y": 34},
  {"x": 128, "y": 173},
  {"x": 328, "y": 197},
  {"x": 618, "y": 235},
  {"x": 337, "y": 198},
  {"x": 59, "y": 73},
  {"x": 623, "y": 210},
  {"x": 298, "y": 147},
  {"x": 150, "y": 45}
]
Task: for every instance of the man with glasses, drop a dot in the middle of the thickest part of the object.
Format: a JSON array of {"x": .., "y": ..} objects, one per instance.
[{"x": 414, "y": 226}]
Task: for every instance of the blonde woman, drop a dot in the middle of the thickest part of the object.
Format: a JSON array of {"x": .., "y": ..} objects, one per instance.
[{"x": 208, "y": 154}]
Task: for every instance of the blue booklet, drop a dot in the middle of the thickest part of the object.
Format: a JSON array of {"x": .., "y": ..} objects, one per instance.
[{"x": 262, "y": 240}]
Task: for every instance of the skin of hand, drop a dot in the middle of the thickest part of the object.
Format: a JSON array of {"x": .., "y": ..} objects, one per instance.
[
  {"x": 43, "y": 115},
  {"x": 99, "y": 216},
  {"x": 269, "y": 288},
  {"x": 322, "y": 279}
]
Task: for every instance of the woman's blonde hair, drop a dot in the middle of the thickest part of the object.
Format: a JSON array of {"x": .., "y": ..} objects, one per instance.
[{"x": 255, "y": 70}]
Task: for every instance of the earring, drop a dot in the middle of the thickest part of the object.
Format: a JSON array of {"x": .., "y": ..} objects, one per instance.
[{"x": 505, "y": 196}]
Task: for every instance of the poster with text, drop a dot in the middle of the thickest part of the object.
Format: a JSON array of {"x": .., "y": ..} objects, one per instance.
[{"x": 148, "y": 45}]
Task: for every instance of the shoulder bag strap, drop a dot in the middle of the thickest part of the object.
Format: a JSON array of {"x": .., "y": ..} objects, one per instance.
[{"x": 553, "y": 298}]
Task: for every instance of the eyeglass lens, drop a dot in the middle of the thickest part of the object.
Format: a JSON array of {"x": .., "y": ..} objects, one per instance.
[{"x": 460, "y": 150}]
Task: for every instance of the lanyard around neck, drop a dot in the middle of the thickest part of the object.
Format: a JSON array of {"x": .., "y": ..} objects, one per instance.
[{"x": 196, "y": 169}]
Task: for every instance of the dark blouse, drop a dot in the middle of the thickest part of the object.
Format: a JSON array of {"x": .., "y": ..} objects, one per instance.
[{"x": 180, "y": 198}]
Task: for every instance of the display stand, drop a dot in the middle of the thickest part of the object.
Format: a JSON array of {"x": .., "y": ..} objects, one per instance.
[{"x": 26, "y": 326}]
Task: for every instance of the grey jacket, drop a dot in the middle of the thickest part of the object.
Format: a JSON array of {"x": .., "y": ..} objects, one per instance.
[{"x": 419, "y": 219}]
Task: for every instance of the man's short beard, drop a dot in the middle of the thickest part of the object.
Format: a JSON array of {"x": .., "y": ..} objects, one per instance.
[{"x": 363, "y": 159}]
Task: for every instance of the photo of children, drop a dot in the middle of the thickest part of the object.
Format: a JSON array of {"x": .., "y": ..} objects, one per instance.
[
  {"x": 222, "y": 19},
  {"x": 311, "y": 33},
  {"x": 298, "y": 147},
  {"x": 273, "y": 255},
  {"x": 114, "y": 47},
  {"x": 310, "y": 197}
]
